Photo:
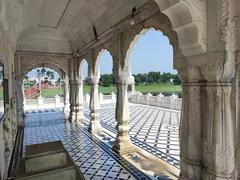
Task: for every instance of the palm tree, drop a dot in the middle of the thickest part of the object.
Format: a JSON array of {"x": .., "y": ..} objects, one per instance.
[
  {"x": 52, "y": 75},
  {"x": 48, "y": 74}
]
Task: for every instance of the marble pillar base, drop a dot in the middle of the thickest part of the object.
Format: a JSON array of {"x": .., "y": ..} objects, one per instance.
[
  {"x": 20, "y": 117},
  {"x": 66, "y": 115},
  {"x": 66, "y": 112},
  {"x": 192, "y": 170},
  {"x": 79, "y": 115},
  {"x": 95, "y": 127},
  {"x": 212, "y": 176},
  {"x": 79, "y": 118},
  {"x": 123, "y": 145},
  {"x": 75, "y": 117}
]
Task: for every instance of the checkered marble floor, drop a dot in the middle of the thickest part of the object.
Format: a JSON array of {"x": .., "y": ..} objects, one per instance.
[
  {"x": 93, "y": 157},
  {"x": 151, "y": 128}
]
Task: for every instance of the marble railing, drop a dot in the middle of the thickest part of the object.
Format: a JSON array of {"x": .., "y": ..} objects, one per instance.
[
  {"x": 103, "y": 99},
  {"x": 1, "y": 109},
  {"x": 43, "y": 103},
  {"x": 170, "y": 102}
]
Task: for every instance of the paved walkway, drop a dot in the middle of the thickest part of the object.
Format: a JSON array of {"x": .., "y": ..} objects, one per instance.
[
  {"x": 94, "y": 158},
  {"x": 152, "y": 129}
]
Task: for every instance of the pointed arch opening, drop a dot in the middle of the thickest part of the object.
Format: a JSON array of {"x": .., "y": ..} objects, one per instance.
[
  {"x": 155, "y": 105},
  {"x": 43, "y": 88}
]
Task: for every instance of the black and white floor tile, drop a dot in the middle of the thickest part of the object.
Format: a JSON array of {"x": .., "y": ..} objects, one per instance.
[
  {"x": 153, "y": 129},
  {"x": 93, "y": 157}
]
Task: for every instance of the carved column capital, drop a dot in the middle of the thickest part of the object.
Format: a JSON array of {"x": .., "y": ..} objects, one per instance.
[
  {"x": 218, "y": 71},
  {"x": 94, "y": 80},
  {"x": 189, "y": 73}
]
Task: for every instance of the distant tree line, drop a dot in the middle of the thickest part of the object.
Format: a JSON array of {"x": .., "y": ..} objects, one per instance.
[
  {"x": 156, "y": 77},
  {"x": 142, "y": 78},
  {"x": 105, "y": 80}
]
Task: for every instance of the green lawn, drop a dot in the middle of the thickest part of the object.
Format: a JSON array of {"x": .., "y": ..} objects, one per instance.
[
  {"x": 51, "y": 92},
  {"x": 104, "y": 90},
  {"x": 155, "y": 89},
  {"x": 1, "y": 93},
  {"x": 152, "y": 88},
  {"x": 159, "y": 88}
]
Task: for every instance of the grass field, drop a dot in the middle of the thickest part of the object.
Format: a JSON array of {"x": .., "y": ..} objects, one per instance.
[
  {"x": 159, "y": 88},
  {"x": 1, "y": 93},
  {"x": 152, "y": 88},
  {"x": 155, "y": 89},
  {"x": 104, "y": 90},
  {"x": 51, "y": 92}
]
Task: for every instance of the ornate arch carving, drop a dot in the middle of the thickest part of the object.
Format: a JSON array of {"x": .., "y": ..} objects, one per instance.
[
  {"x": 81, "y": 65},
  {"x": 159, "y": 22},
  {"x": 189, "y": 21},
  {"x": 29, "y": 61},
  {"x": 97, "y": 54}
]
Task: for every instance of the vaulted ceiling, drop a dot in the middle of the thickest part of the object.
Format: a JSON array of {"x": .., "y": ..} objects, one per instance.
[{"x": 63, "y": 25}]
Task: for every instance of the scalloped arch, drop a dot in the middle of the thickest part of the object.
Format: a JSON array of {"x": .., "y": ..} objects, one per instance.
[
  {"x": 82, "y": 61},
  {"x": 96, "y": 62},
  {"x": 47, "y": 64},
  {"x": 188, "y": 19},
  {"x": 134, "y": 40}
]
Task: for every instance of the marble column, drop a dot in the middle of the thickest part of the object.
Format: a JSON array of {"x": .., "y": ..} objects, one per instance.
[
  {"x": 72, "y": 100},
  {"x": 20, "y": 99},
  {"x": 79, "y": 101},
  {"x": 218, "y": 139},
  {"x": 66, "y": 99},
  {"x": 123, "y": 142},
  {"x": 191, "y": 132},
  {"x": 95, "y": 126},
  {"x": 76, "y": 113}
]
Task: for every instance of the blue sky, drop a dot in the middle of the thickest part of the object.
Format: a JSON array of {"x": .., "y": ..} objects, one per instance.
[{"x": 152, "y": 52}]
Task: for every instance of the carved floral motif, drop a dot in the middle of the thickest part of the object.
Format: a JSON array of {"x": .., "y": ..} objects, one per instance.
[
  {"x": 218, "y": 158},
  {"x": 224, "y": 13}
]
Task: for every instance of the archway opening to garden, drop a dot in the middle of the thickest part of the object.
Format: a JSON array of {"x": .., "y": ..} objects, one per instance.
[
  {"x": 83, "y": 71},
  {"x": 104, "y": 65},
  {"x": 43, "y": 88},
  {"x": 156, "y": 103}
]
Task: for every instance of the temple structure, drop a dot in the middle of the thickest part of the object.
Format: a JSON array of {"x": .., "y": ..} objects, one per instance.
[{"x": 205, "y": 35}]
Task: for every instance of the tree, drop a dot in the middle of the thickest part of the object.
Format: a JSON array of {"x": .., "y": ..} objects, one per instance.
[
  {"x": 86, "y": 80},
  {"x": 153, "y": 77},
  {"x": 138, "y": 78},
  {"x": 48, "y": 73},
  {"x": 52, "y": 76},
  {"x": 106, "y": 80},
  {"x": 176, "y": 80},
  {"x": 165, "y": 77}
]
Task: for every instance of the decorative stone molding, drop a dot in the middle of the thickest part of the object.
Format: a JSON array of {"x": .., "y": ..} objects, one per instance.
[
  {"x": 199, "y": 17},
  {"x": 216, "y": 157},
  {"x": 188, "y": 16},
  {"x": 238, "y": 157},
  {"x": 219, "y": 71},
  {"x": 223, "y": 18},
  {"x": 30, "y": 60},
  {"x": 159, "y": 22},
  {"x": 218, "y": 150}
]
